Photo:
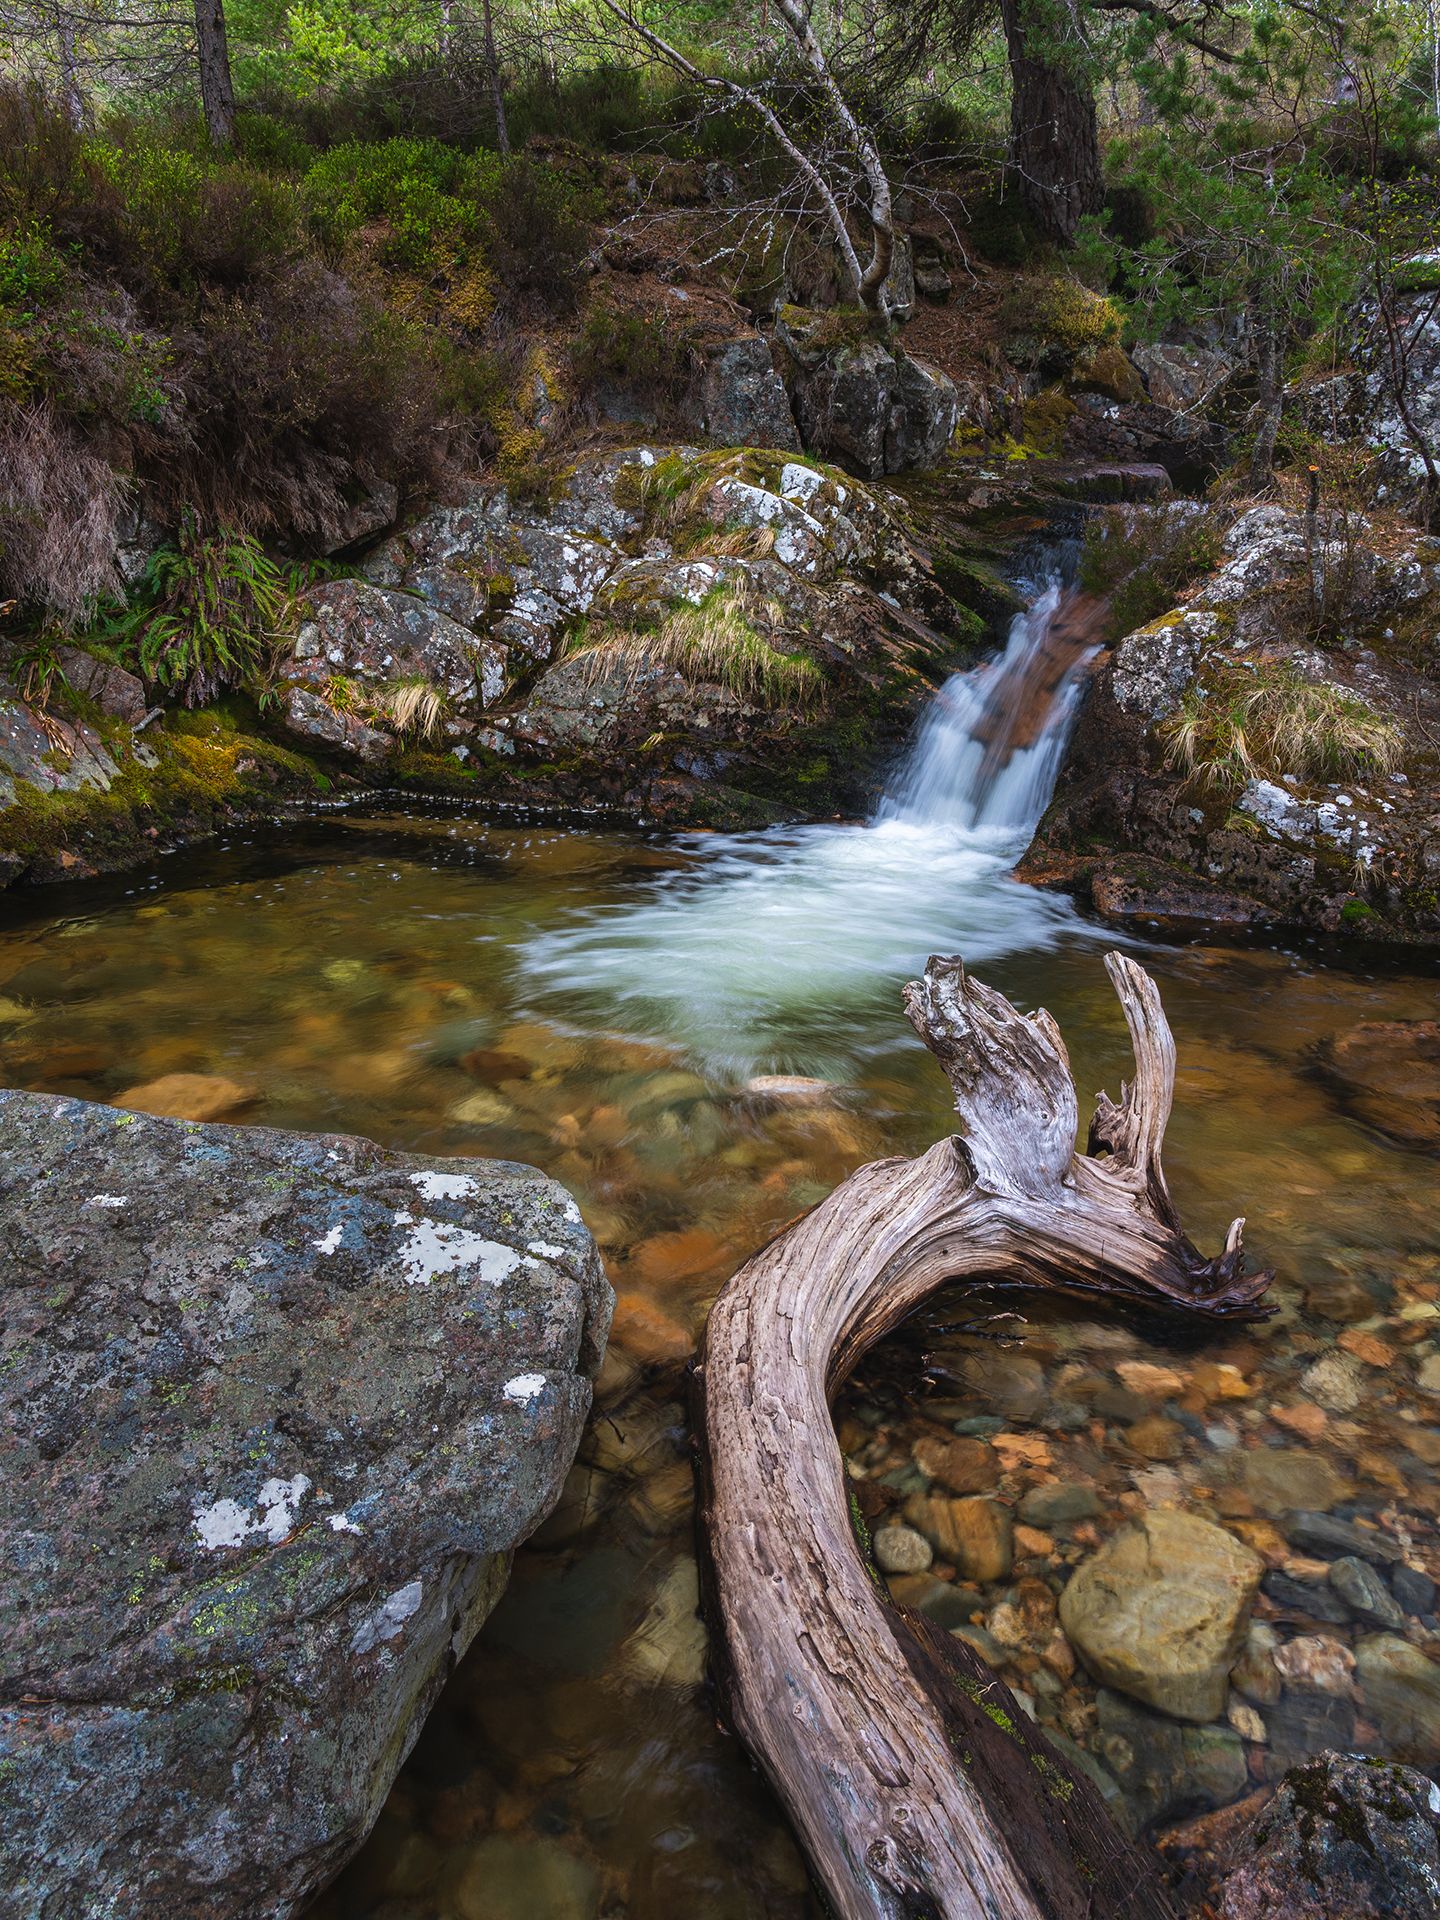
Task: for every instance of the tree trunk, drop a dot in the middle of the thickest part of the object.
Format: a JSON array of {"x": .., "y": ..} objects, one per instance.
[
  {"x": 1054, "y": 137},
  {"x": 915, "y": 1782},
  {"x": 217, "y": 92},
  {"x": 71, "y": 92},
  {"x": 1272, "y": 401},
  {"x": 492, "y": 71}
]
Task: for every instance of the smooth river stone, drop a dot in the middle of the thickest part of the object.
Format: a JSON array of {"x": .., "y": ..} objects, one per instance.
[
  {"x": 1278, "y": 1479},
  {"x": 1160, "y": 1612}
]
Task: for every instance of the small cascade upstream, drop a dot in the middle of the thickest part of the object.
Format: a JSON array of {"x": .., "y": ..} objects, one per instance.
[
  {"x": 754, "y": 954},
  {"x": 989, "y": 746}
]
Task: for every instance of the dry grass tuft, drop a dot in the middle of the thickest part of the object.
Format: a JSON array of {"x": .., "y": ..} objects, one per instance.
[
  {"x": 413, "y": 709},
  {"x": 60, "y": 508},
  {"x": 1270, "y": 722},
  {"x": 714, "y": 644}
]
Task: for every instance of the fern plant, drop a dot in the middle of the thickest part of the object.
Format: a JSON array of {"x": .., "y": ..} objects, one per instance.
[{"x": 203, "y": 614}]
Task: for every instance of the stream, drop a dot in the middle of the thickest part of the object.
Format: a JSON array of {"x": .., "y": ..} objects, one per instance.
[{"x": 618, "y": 1009}]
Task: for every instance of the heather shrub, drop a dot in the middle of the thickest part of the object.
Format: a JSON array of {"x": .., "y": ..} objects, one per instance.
[{"x": 60, "y": 509}]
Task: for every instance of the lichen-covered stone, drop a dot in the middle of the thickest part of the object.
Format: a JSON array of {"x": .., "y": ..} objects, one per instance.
[
  {"x": 1343, "y": 1838},
  {"x": 864, "y": 400},
  {"x": 1331, "y": 843},
  {"x": 276, "y": 1408},
  {"x": 742, "y": 398},
  {"x": 1160, "y": 1611}
]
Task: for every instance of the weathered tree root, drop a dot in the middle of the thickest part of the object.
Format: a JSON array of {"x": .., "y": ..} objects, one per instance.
[{"x": 915, "y": 1782}]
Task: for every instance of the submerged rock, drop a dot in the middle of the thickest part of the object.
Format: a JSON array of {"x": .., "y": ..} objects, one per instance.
[
  {"x": 1344, "y": 1837},
  {"x": 1166, "y": 1770},
  {"x": 277, "y": 1409},
  {"x": 1388, "y": 1075},
  {"x": 1160, "y": 1612}
]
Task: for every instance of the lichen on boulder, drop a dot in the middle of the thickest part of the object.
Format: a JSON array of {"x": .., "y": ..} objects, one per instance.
[{"x": 277, "y": 1409}]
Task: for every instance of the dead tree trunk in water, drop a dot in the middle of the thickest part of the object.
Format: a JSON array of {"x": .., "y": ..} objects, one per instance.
[{"x": 914, "y": 1780}]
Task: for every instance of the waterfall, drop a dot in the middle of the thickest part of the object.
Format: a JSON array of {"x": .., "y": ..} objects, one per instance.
[
  {"x": 755, "y": 950},
  {"x": 989, "y": 746}
]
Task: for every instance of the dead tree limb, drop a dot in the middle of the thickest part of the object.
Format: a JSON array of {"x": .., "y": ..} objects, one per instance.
[{"x": 914, "y": 1780}]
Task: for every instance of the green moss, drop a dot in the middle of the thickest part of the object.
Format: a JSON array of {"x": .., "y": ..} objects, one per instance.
[
  {"x": 1046, "y": 418},
  {"x": 205, "y": 771},
  {"x": 1355, "y": 913}
]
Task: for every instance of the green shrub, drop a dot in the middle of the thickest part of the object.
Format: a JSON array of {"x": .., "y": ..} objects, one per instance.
[
  {"x": 637, "y": 352},
  {"x": 416, "y": 187},
  {"x": 266, "y": 141},
  {"x": 534, "y": 233},
  {"x": 204, "y": 614},
  {"x": 31, "y": 271},
  {"x": 41, "y": 175}
]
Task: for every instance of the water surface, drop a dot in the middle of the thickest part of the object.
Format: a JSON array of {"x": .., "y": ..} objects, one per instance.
[{"x": 597, "y": 1004}]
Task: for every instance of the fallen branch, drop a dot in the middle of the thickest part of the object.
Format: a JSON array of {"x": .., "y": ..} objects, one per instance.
[{"x": 914, "y": 1780}]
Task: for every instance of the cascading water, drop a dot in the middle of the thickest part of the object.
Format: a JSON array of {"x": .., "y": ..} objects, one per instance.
[
  {"x": 989, "y": 746},
  {"x": 758, "y": 954}
]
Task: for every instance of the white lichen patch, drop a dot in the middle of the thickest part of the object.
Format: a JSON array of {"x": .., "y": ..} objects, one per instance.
[
  {"x": 388, "y": 1618},
  {"x": 108, "y": 1200},
  {"x": 342, "y": 1523},
  {"x": 545, "y": 1250},
  {"x": 525, "y": 1387},
  {"x": 329, "y": 1242},
  {"x": 433, "y": 1247},
  {"x": 445, "y": 1186},
  {"x": 225, "y": 1523}
]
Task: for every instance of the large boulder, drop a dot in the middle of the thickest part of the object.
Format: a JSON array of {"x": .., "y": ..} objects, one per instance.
[
  {"x": 743, "y": 402},
  {"x": 1160, "y": 1612},
  {"x": 277, "y": 1409},
  {"x": 1344, "y": 1838},
  {"x": 1277, "y": 677},
  {"x": 356, "y": 644},
  {"x": 863, "y": 400},
  {"x": 1371, "y": 399}
]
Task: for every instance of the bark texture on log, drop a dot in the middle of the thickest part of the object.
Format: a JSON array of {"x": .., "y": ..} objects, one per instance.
[{"x": 915, "y": 1782}]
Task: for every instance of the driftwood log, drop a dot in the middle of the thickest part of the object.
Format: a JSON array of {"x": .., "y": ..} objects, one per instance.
[{"x": 915, "y": 1782}]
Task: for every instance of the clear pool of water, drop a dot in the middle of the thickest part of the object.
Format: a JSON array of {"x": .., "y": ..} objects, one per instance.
[{"x": 595, "y": 1003}]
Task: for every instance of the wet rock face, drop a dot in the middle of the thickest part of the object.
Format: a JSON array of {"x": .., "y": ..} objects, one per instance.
[
  {"x": 1160, "y": 1612},
  {"x": 1343, "y": 1837},
  {"x": 277, "y": 1408},
  {"x": 865, "y": 402},
  {"x": 1330, "y": 843}
]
